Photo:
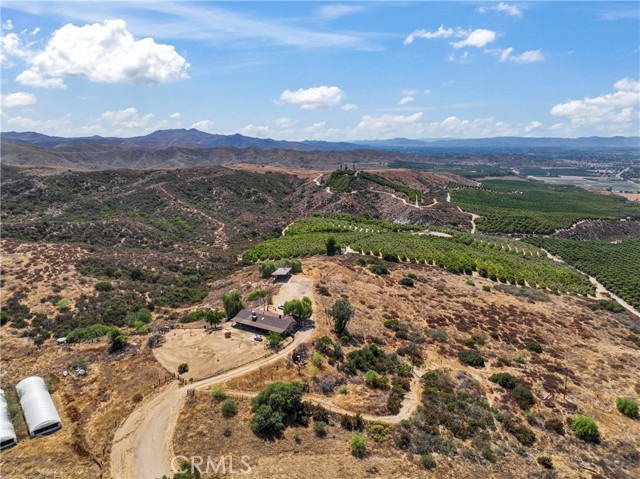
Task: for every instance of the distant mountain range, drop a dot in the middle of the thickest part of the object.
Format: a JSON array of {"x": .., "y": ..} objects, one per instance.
[
  {"x": 510, "y": 142},
  {"x": 177, "y": 138},
  {"x": 198, "y": 139}
]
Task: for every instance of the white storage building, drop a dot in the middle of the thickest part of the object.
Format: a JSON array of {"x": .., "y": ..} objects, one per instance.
[
  {"x": 7, "y": 432},
  {"x": 38, "y": 408}
]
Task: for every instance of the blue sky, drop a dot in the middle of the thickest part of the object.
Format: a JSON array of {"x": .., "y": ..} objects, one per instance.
[{"x": 322, "y": 70}]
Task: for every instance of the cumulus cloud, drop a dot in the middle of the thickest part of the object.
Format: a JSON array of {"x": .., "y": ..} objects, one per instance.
[
  {"x": 12, "y": 46},
  {"x": 175, "y": 115},
  {"x": 8, "y": 25},
  {"x": 607, "y": 113},
  {"x": 384, "y": 125},
  {"x": 318, "y": 98},
  {"x": 320, "y": 131},
  {"x": 406, "y": 99},
  {"x": 34, "y": 79},
  {"x": 285, "y": 122},
  {"x": 532, "y": 126},
  {"x": 256, "y": 130},
  {"x": 127, "y": 118},
  {"x": 349, "y": 107},
  {"x": 441, "y": 32},
  {"x": 203, "y": 125},
  {"x": 478, "y": 38},
  {"x": 511, "y": 10},
  {"x": 107, "y": 53},
  {"x": 19, "y": 98}
]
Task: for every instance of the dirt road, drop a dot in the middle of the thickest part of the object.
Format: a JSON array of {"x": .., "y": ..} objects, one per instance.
[{"x": 143, "y": 445}]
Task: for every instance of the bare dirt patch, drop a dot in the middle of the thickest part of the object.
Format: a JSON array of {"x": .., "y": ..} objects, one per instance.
[{"x": 208, "y": 353}]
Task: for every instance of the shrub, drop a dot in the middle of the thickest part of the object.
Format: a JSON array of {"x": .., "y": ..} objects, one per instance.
[
  {"x": 439, "y": 335},
  {"x": 229, "y": 408},
  {"x": 628, "y": 407},
  {"x": 266, "y": 269},
  {"x": 358, "y": 444},
  {"x": 183, "y": 368},
  {"x": 316, "y": 359},
  {"x": 520, "y": 358},
  {"x": 523, "y": 396},
  {"x": 320, "y": 427},
  {"x": 218, "y": 393},
  {"x": 534, "y": 346},
  {"x": 470, "y": 282},
  {"x": 412, "y": 276},
  {"x": 555, "y": 425},
  {"x": 227, "y": 334},
  {"x": 378, "y": 431},
  {"x": 427, "y": 461},
  {"x": 341, "y": 312},
  {"x": 380, "y": 269},
  {"x": 233, "y": 303},
  {"x": 545, "y": 461},
  {"x": 523, "y": 434},
  {"x": 63, "y": 305},
  {"x": 343, "y": 390},
  {"x": 471, "y": 358},
  {"x": 407, "y": 282},
  {"x": 486, "y": 288},
  {"x": 80, "y": 363},
  {"x": 103, "y": 286},
  {"x": 586, "y": 429},
  {"x": 117, "y": 340},
  {"x": 275, "y": 402},
  {"x": 505, "y": 380}
]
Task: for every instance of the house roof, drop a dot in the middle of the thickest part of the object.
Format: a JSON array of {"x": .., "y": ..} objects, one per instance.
[
  {"x": 281, "y": 272},
  {"x": 265, "y": 320},
  {"x": 37, "y": 405},
  {"x": 7, "y": 431}
]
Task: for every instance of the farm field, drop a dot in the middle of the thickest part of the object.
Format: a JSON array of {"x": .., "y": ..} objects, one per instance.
[
  {"x": 615, "y": 265},
  {"x": 534, "y": 208},
  {"x": 499, "y": 259}
]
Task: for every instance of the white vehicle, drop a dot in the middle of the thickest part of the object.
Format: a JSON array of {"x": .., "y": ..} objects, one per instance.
[{"x": 281, "y": 306}]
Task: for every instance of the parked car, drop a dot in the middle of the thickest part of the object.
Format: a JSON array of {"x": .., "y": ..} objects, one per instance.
[
  {"x": 281, "y": 306},
  {"x": 258, "y": 338}
]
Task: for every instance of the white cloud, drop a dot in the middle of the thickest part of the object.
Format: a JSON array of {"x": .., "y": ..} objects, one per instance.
[
  {"x": 532, "y": 126},
  {"x": 413, "y": 92},
  {"x": 441, "y": 32},
  {"x": 478, "y": 38},
  {"x": 108, "y": 53},
  {"x": 285, "y": 122},
  {"x": 256, "y": 130},
  {"x": 11, "y": 46},
  {"x": 318, "y": 98},
  {"x": 406, "y": 99},
  {"x": 319, "y": 131},
  {"x": 506, "y": 54},
  {"x": 34, "y": 79},
  {"x": 385, "y": 125},
  {"x": 19, "y": 98},
  {"x": 176, "y": 115},
  {"x": 35, "y": 31},
  {"x": 349, "y": 107},
  {"x": 22, "y": 122},
  {"x": 610, "y": 113},
  {"x": 127, "y": 118},
  {"x": 8, "y": 25},
  {"x": 462, "y": 58},
  {"x": 511, "y": 10},
  {"x": 427, "y": 92},
  {"x": 337, "y": 10},
  {"x": 204, "y": 125}
]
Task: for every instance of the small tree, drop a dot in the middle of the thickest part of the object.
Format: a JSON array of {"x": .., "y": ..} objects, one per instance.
[
  {"x": 300, "y": 309},
  {"x": 117, "y": 340},
  {"x": 341, "y": 312},
  {"x": 218, "y": 393},
  {"x": 103, "y": 286},
  {"x": 214, "y": 318},
  {"x": 229, "y": 408},
  {"x": 274, "y": 340},
  {"x": 332, "y": 247},
  {"x": 586, "y": 429},
  {"x": 183, "y": 368},
  {"x": 358, "y": 444},
  {"x": 233, "y": 303},
  {"x": 320, "y": 428},
  {"x": 267, "y": 268}
]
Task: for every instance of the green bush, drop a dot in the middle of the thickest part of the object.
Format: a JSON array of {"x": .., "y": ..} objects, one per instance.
[
  {"x": 586, "y": 429},
  {"x": 63, "y": 305},
  {"x": 320, "y": 427},
  {"x": 378, "y": 431},
  {"x": 628, "y": 407},
  {"x": 275, "y": 402},
  {"x": 358, "y": 443},
  {"x": 471, "y": 358},
  {"x": 103, "y": 286},
  {"x": 505, "y": 380},
  {"x": 229, "y": 408},
  {"x": 183, "y": 368},
  {"x": 534, "y": 346},
  {"x": 555, "y": 425},
  {"x": 267, "y": 268},
  {"x": 427, "y": 461},
  {"x": 407, "y": 282},
  {"x": 523, "y": 434},
  {"x": 486, "y": 288},
  {"x": 523, "y": 396},
  {"x": 380, "y": 269},
  {"x": 117, "y": 340},
  {"x": 218, "y": 393}
]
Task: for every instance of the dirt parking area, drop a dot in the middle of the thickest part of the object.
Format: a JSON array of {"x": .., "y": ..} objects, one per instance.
[{"x": 208, "y": 352}]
